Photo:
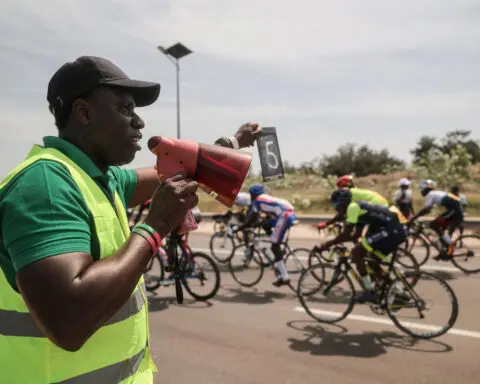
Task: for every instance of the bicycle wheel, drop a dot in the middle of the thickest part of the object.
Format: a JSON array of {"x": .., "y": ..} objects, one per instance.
[
  {"x": 154, "y": 273},
  {"x": 296, "y": 262},
  {"x": 221, "y": 246},
  {"x": 406, "y": 259},
  {"x": 466, "y": 255},
  {"x": 195, "y": 269},
  {"x": 245, "y": 265},
  {"x": 403, "y": 301},
  {"x": 417, "y": 245},
  {"x": 329, "y": 300}
]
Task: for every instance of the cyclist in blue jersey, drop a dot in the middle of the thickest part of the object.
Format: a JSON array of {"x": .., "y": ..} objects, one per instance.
[{"x": 284, "y": 215}]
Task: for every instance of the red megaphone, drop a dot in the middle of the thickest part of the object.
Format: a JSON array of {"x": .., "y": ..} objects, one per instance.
[{"x": 219, "y": 171}]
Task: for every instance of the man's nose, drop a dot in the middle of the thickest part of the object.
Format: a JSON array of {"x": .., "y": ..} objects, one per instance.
[{"x": 137, "y": 122}]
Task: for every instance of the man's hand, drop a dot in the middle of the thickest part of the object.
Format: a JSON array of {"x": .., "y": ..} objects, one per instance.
[
  {"x": 170, "y": 203},
  {"x": 247, "y": 134}
]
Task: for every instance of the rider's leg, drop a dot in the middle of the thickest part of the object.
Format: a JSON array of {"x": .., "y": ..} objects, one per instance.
[
  {"x": 439, "y": 225},
  {"x": 358, "y": 254},
  {"x": 283, "y": 223}
]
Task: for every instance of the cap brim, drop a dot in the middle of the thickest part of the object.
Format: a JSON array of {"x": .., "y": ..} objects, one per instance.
[{"x": 143, "y": 92}]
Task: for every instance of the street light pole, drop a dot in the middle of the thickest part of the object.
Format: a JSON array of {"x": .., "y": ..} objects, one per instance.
[
  {"x": 178, "y": 98},
  {"x": 174, "y": 53}
]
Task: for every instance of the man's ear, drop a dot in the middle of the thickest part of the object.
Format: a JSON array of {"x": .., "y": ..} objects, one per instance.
[{"x": 81, "y": 111}]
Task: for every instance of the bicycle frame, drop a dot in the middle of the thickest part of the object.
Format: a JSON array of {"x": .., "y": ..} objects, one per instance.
[{"x": 345, "y": 262}]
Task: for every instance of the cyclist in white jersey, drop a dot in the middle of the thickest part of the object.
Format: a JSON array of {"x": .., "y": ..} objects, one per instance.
[
  {"x": 452, "y": 216},
  {"x": 284, "y": 215},
  {"x": 403, "y": 198}
]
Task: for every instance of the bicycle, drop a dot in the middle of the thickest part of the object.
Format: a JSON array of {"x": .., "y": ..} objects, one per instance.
[
  {"x": 225, "y": 240},
  {"x": 254, "y": 256},
  {"x": 391, "y": 299},
  {"x": 181, "y": 269},
  {"x": 462, "y": 248}
]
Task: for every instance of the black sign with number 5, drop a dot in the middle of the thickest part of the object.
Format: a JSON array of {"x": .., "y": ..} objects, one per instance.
[{"x": 269, "y": 151}]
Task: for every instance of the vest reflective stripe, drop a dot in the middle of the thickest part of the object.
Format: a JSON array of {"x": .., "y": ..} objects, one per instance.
[
  {"x": 118, "y": 351},
  {"x": 112, "y": 374},
  {"x": 14, "y": 323}
]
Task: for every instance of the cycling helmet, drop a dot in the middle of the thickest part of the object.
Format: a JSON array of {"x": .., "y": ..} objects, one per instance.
[
  {"x": 404, "y": 182},
  {"x": 341, "y": 196},
  {"x": 257, "y": 190},
  {"x": 426, "y": 186},
  {"x": 345, "y": 181}
]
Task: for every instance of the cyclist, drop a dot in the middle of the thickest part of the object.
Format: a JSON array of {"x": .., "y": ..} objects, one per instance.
[
  {"x": 358, "y": 194},
  {"x": 452, "y": 216},
  {"x": 284, "y": 215},
  {"x": 386, "y": 230},
  {"x": 403, "y": 198}
]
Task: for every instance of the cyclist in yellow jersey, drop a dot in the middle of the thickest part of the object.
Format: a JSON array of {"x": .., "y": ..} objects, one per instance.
[
  {"x": 358, "y": 194},
  {"x": 386, "y": 231}
]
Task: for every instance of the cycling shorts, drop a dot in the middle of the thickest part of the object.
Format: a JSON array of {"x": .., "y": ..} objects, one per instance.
[
  {"x": 383, "y": 241},
  {"x": 284, "y": 222},
  {"x": 453, "y": 214}
]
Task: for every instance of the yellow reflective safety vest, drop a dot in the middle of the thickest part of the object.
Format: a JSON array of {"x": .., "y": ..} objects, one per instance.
[{"x": 118, "y": 352}]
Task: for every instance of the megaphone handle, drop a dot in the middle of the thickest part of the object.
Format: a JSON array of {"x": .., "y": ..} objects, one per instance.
[{"x": 177, "y": 270}]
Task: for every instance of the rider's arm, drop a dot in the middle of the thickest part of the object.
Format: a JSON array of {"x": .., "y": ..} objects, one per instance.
[
  {"x": 346, "y": 235},
  {"x": 425, "y": 210},
  {"x": 250, "y": 220},
  {"x": 353, "y": 213},
  {"x": 338, "y": 217}
]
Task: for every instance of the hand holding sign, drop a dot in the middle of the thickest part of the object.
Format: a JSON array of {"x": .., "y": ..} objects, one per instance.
[{"x": 269, "y": 151}]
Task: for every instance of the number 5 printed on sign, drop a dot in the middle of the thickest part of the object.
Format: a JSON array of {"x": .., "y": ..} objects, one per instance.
[{"x": 270, "y": 157}]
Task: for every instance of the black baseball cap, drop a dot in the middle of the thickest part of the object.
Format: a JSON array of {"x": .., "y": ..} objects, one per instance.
[{"x": 74, "y": 79}]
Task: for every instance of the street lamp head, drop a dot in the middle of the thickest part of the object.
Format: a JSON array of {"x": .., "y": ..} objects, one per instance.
[{"x": 177, "y": 51}]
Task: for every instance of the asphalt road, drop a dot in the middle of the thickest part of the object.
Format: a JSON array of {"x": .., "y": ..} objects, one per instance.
[{"x": 261, "y": 335}]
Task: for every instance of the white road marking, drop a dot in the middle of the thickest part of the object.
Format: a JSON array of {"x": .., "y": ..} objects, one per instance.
[
  {"x": 425, "y": 267},
  {"x": 377, "y": 320}
]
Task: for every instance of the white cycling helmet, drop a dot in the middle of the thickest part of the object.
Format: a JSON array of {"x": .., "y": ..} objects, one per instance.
[
  {"x": 427, "y": 184},
  {"x": 404, "y": 182}
]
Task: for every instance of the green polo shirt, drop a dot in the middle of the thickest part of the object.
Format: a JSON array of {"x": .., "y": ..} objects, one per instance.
[{"x": 43, "y": 213}]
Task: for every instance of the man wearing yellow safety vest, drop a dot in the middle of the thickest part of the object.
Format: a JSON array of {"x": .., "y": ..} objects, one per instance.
[{"x": 73, "y": 306}]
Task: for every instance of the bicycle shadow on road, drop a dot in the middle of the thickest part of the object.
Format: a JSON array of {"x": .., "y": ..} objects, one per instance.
[
  {"x": 446, "y": 275},
  {"x": 159, "y": 303},
  {"x": 251, "y": 295},
  {"x": 334, "y": 340}
]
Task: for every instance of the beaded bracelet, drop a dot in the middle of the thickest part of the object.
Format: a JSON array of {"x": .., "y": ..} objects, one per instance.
[
  {"x": 152, "y": 232},
  {"x": 147, "y": 237}
]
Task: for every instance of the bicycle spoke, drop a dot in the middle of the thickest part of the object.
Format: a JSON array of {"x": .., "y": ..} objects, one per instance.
[{"x": 409, "y": 306}]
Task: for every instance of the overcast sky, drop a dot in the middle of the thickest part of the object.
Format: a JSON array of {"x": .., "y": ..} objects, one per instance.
[{"x": 323, "y": 72}]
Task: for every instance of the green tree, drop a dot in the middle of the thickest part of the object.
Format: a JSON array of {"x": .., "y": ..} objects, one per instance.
[
  {"x": 446, "y": 169},
  {"x": 446, "y": 144},
  {"x": 360, "y": 161}
]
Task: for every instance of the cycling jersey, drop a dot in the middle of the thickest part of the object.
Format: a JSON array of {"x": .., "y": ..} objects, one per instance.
[
  {"x": 403, "y": 196},
  {"x": 445, "y": 199},
  {"x": 403, "y": 200},
  {"x": 271, "y": 205},
  {"x": 281, "y": 212},
  {"x": 453, "y": 214},
  {"x": 369, "y": 196},
  {"x": 386, "y": 226},
  {"x": 375, "y": 215}
]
